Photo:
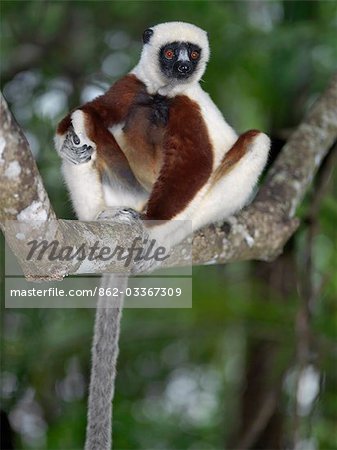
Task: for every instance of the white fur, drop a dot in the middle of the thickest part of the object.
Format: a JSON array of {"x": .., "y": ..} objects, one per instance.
[
  {"x": 118, "y": 134},
  {"x": 78, "y": 122},
  {"x": 116, "y": 194},
  {"x": 183, "y": 55},
  {"x": 85, "y": 189},
  {"x": 148, "y": 69},
  {"x": 222, "y": 135},
  {"x": 232, "y": 192}
]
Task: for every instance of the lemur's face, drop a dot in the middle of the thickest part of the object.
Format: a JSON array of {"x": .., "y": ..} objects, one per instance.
[
  {"x": 174, "y": 55},
  {"x": 179, "y": 60}
]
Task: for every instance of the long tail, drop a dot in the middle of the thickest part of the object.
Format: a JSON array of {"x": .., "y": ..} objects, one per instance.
[{"x": 103, "y": 369}]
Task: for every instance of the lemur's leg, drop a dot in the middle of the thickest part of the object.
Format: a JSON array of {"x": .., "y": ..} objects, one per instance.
[
  {"x": 85, "y": 188},
  {"x": 228, "y": 191},
  {"x": 234, "y": 180}
]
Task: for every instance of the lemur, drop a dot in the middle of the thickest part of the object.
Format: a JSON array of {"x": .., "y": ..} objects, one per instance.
[{"x": 155, "y": 146}]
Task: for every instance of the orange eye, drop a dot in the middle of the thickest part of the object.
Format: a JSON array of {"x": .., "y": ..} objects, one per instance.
[
  {"x": 169, "y": 54},
  {"x": 194, "y": 55}
]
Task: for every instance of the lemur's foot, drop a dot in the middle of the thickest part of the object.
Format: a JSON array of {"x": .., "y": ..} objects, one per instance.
[
  {"x": 121, "y": 215},
  {"x": 74, "y": 149},
  {"x": 143, "y": 261}
]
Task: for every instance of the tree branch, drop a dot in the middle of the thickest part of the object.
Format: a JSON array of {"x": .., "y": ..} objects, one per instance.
[
  {"x": 22, "y": 193},
  {"x": 258, "y": 232}
]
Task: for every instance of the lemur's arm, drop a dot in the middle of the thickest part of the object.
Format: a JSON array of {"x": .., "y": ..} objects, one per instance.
[
  {"x": 88, "y": 148},
  {"x": 85, "y": 130}
]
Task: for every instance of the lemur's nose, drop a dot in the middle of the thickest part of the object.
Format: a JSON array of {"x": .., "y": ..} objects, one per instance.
[{"x": 184, "y": 68}]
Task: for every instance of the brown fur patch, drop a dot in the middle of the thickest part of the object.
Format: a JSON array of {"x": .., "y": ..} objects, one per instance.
[
  {"x": 64, "y": 125},
  {"x": 237, "y": 151},
  {"x": 109, "y": 154},
  {"x": 143, "y": 144},
  {"x": 111, "y": 107},
  {"x": 114, "y": 105},
  {"x": 188, "y": 161}
]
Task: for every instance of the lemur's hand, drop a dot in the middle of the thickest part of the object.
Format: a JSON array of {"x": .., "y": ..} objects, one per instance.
[{"x": 74, "y": 150}]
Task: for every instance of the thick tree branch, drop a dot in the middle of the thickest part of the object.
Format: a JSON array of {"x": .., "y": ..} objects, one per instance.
[
  {"x": 22, "y": 194},
  {"x": 258, "y": 232}
]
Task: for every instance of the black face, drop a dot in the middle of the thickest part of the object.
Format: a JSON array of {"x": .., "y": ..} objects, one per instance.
[{"x": 179, "y": 59}]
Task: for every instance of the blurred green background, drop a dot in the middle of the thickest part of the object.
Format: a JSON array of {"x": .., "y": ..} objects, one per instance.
[{"x": 260, "y": 340}]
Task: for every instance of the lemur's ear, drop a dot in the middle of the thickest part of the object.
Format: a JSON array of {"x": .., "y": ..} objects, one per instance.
[{"x": 147, "y": 35}]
